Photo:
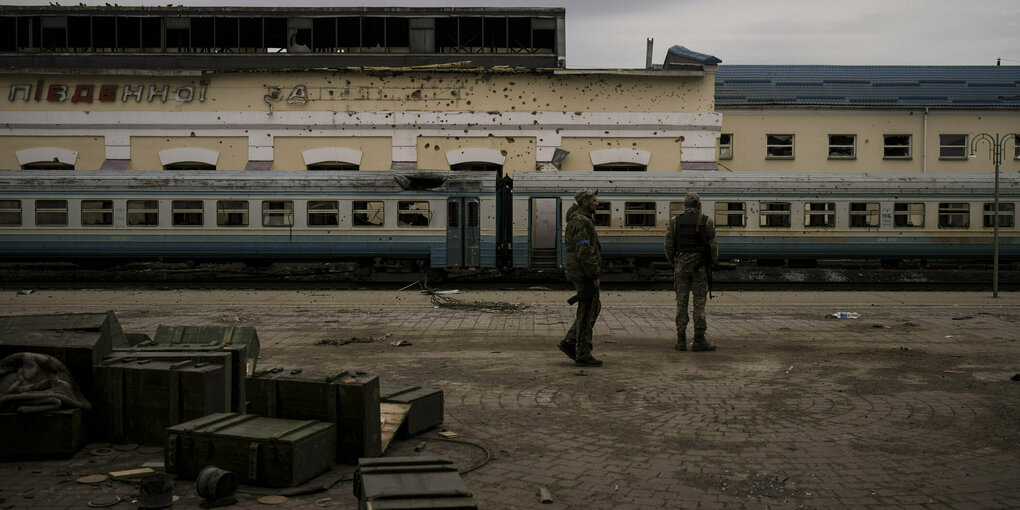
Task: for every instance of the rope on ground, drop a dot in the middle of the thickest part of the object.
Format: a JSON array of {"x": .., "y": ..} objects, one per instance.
[
  {"x": 488, "y": 456},
  {"x": 444, "y": 301}
]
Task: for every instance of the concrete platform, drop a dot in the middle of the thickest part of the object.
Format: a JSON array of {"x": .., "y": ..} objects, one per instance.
[{"x": 910, "y": 406}]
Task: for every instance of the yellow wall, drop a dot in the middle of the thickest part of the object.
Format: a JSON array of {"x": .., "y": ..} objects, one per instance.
[
  {"x": 519, "y": 151},
  {"x": 376, "y": 152},
  {"x": 665, "y": 151},
  {"x": 145, "y": 150},
  {"x": 91, "y": 149},
  {"x": 811, "y": 130}
]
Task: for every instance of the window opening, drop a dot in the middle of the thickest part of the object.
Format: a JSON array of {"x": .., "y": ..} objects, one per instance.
[
  {"x": 453, "y": 215},
  {"x": 1006, "y": 216},
  {"x": 472, "y": 214},
  {"x": 779, "y": 146},
  {"x": 864, "y": 214},
  {"x": 726, "y": 146},
  {"x": 896, "y": 147},
  {"x": 333, "y": 165},
  {"x": 142, "y": 213},
  {"x": 639, "y": 214},
  {"x": 51, "y": 213},
  {"x": 323, "y": 213},
  {"x": 603, "y": 214},
  {"x": 730, "y": 214},
  {"x": 413, "y": 214},
  {"x": 368, "y": 214},
  {"x": 477, "y": 166},
  {"x": 954, "y": 215},
  {"x": 189, "y": 165},
  {"x": 278, "y": 213},
  {"x": 908, "y": 215},
  {"x": 775, "y": 214},
  {"x": 820, "y": 214},
  {"x": 952, "y": 146},
  {"x": 96, "y": 213},
  {"x": 842, "y": 146},
  {"x": 187, "y": 213},
  {"x": 232, "y": 213},
  {"x": 10, "y": 213},
  {"x": 621, "y": 167}
]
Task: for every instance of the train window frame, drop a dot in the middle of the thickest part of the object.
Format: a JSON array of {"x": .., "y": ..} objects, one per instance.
[
  {"x": 871, "y": 214},
  {"x": 361, "y": 217},
  {"x": 775, "y": 148},
  {"x": 952, "y": 147},
  {"x": 410, "y": 209},
  {"x": 184, "y": 214},
  {"x": 724, "y": 217},
  {"x": 827, "y": 213},
  {"x": 56, "y": 208},
  {"x": 316, "y": 209},
  {"x": 951, "y": 212},
  {"x": 766, "y": 213},
  {"x": 726, "y": 146},
  {"x": 847, "y": 146},
  {"x": 11, "y": 209},
  {"x": 603, "y": 215},
  {"x": 1007, "y": 215},
  {"x": 642, "y": 210},
  {"x": 897, "y": 150},
  {"x": 233, "y": 213},
  {"x": 149, "y": 208},
  {"x": 104, "y": 210},
  {"x": 908, "y": 211},
  {"x": 281, "y": 217}
]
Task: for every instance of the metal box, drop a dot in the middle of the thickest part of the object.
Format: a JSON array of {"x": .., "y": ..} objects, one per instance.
[
  {"x": 410, "y": 483},
  {"x": 212, "y": 336},
  {"x": 235, "y": 372},
  {"x": 270, "y": 452},
  {"x": 105, "y": 323},
  {"x": 426, "y": 407},
  {"x": 57, "y": 433}
]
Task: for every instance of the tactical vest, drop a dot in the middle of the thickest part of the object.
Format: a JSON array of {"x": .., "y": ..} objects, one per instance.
[{"x": 686, "y": 238}]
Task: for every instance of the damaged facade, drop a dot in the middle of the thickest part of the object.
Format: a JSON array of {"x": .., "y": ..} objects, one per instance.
[{"x": 439, "y": 89}]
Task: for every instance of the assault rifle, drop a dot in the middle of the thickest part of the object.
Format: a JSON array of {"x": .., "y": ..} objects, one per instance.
[
  {"x": 589, "y": 291},
  {"x": 706, "y": 257}
]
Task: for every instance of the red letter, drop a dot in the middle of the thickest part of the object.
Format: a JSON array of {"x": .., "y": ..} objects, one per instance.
[
  {"x": 82, "y": 93},
  {"x": 108, "y": 93}
]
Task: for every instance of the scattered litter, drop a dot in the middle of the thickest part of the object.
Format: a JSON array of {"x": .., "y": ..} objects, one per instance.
[
  {"x": 779, "y": 479},
  {"x": 788, "y": 370},
  {"x": 91, "y": 479},
  {"x": 952, "y": 372},
  {"x": 877, "y": 326},
  {"x": 102, "y": 452},
  {"x": 351, "y": 340},
  {"x": 845, "y": 315},
  {"x": 25, "y": 292},
  {"x": 545, "y": 495},
  {"x": 446, "y": 292},
  {"x": 1015, "y": 377},
  {"x": 616, "y": 488},
  {"x": 272, "y": 500},
  {"x": 441, "y": 299},
  {"x": 949, "y": 336},
  {"x": 902, "y": 348},
  {"x": 323, "y": 502},
  {"x": 610, "y": 341},
  {"x": 448, "y": 434},
  {"x": 125, "y": 447},
  {"x": 156, "y": 464},
  {"x": 539, "y": 287},
  {"x": 104, "y": 501},
  {"x": 964, "y": 318},
  {"x": 400, "y": 343}
]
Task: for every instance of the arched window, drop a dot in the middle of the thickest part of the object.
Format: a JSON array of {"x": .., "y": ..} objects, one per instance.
[
  {"x": 477, "y": 166},
  {"x": 620, "y": 160},
  {"x": 47, "y": 158},
  {"x": 476, "y": 159},
  {"x": 188, "y": 159},
  {"x": 332, "y": 158}
]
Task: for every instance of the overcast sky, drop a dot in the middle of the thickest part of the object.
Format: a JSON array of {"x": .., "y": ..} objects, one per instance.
[{"x": 611, "y": 33}]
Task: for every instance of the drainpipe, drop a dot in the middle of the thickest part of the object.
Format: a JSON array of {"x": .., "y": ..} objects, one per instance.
[{"x": 924, "y": 156}]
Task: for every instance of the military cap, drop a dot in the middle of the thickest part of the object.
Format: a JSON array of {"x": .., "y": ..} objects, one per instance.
[
  {"x": 691, "y": 199},
  {"x": 584, "y": 194}
]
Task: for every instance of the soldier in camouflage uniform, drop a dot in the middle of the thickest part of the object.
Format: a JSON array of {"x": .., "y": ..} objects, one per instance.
[
  {"x": 686, "y": 237},
  {"x": 583, "y": 267}
]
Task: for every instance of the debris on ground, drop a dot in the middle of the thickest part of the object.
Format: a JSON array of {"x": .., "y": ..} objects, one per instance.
[
  {"x": 846, "y": 315},
  {"x": 25, "y": 292},
  {"x": 964, "y": 318},
  {"x": 544, "y": 494},
  {"x": 448, "y": 434},
  {"x": 400, "y": 343},
  {"x": 952, "y": 372},
  {"x": 352, "y": 340}
]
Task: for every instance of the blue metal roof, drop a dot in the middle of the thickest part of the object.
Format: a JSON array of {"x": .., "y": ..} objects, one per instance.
[
  {"x": 887, "y": 86},
  {"x": 700, "y": 58}
]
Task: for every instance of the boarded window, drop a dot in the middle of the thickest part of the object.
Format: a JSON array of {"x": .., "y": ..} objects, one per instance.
[
  {"x": 278, "y": 213},
  {"x": 323, "y": 213},
  {"x": 896, "y": 146},
  {"x": 232, "y": 213},
  {"x": 820, "y": 214},
  {"x": 779, "y": 146},
  {"x": 413, "y": 214},
  {"x": 368, "y": 214},
  {"x": 775, "y": 214},
  {"x": 864, "y": 214},
  {"x": 1006, "y": 214},
  {"x": 726, "y": 146},
  {"x": 97, "y": 213},
  {"x": 952, "y": 146},
  {"x": 10, "y": 213},
  {"x": 639, "y": 214},
  {"x": 842, "y": 146},
  {"x": 908, "y": 215},
  {"x": 730, "y": 214},
  {"x": 954, "y": 215},
  {"x": 142, "y": 213},
  {"x": 603, "y": 214},
  {"x": 187, "y": 213},
  {"x": 51, "y": 213}
]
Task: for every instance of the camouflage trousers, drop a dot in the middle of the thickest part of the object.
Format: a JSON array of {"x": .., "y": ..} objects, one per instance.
[
  {"x": 687, "y": 281},
  {"x": 580, "y": 333}
]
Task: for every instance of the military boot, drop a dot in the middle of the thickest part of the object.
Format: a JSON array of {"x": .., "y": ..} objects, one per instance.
[
  {"x": 700, "y": 344},
  {"x": 567, "y": 349},
  {"x": 590, "y": 361},
  {"x": 681, "y": 341}
]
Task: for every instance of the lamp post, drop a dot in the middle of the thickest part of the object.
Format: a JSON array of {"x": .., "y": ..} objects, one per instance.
[{"x": 996, "y": 147}]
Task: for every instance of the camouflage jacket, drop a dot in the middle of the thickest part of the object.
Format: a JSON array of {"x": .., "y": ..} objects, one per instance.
[
  {"x": 688, "y": 261},
  {"x": 584, "y": 254}
]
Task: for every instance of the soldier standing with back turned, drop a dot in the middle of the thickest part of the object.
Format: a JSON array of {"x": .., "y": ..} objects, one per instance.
[
  {"x": 583, "y": 267},
  {"x": 686, "y": 239}
]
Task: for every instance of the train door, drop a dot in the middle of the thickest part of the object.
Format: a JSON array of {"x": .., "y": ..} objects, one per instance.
[
  {"x": 545, "y": 229},
  {"x": 463, "y": 233}
]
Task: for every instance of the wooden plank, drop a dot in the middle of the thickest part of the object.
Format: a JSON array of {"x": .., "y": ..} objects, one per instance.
[{"x": 391, "y": 417}]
